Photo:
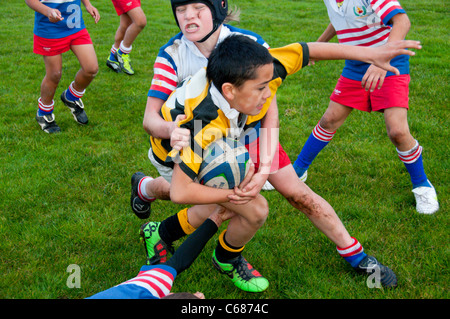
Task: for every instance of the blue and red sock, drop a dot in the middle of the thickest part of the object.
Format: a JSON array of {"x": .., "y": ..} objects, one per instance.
[
  {"x": 317, "y": 140},
  {"x": 45, "y": 109},
  {"x": 414, "y": 164},
  {"x": 112, "y": 56},
  {"x": 72, "y": 94},
  {"x": 353, "y": 254}
]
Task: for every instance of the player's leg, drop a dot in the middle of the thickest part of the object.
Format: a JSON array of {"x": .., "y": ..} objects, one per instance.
[
  {"x": 324, "y": 218},
  {"x": 145, "y": 189},
  {"x": 347, "y": 95},
  {"x": 410, "y": 153},
  {"x": 53, "y": 69},
  {"x": 317, "y": 209},
  {"x": 138, "y": 23},
  {"x": 88, "y": 63},
  {"x": 124, "y": 23},
  {"x": 321, "y": 135},
  {"x": 227, "y": 256},
  {"x": 85, "y": 53},
  {"x": 158, "y": 237},
  {"x": 45, "y": 116}
]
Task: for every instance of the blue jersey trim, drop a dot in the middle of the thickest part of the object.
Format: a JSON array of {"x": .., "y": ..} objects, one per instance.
[{"x": 391, "y": 14}]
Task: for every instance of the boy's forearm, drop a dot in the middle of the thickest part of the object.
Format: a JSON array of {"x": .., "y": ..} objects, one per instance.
[
  {"x": 153, "y": 123},
  {"x": 37, "y": 6},
  {"x": 334, "y": 51},
  {"x": 183, "y": 190},
  {"x": 269, "y": 137},
  {"x": 400, "y": 27},
  {"x": 328, "y": 34},
  {"x": 86, "y": 3}
]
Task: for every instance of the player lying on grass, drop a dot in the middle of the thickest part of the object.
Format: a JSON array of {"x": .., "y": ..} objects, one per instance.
[
  {"x": 155, "y": 282},
  {"x": 231, "y": 97}
]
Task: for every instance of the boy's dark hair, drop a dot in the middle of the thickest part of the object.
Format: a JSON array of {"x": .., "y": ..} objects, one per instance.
[
  {"x": 181, "y": 295},
  {"x": 235, "y": 61}
]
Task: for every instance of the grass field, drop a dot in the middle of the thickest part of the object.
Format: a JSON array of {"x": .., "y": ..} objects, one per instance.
[{"x": 65, "y": 198}]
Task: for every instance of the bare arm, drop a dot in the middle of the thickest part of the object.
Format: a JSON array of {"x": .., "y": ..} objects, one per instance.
[
  {"x": 268, "y": 143},
  {"x": 400, "y": 28},
  {"x": 91, "y": 10},
  {"x": 53, "y": 14},
  {"x": 153, "y": 123},
  {"x": 379, "y": 56},
  {"x": 183, "y": 190},
  {"x": 374, "y": 76},
  {"x": 328, "y": 34},
  {"x": 157, "y": 127}
]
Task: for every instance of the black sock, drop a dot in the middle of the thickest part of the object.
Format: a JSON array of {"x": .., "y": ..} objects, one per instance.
[
  {"x": 188, "y": 251},
  {"x": 224, "y": 251},
  {"x": 170, "y": 230}
]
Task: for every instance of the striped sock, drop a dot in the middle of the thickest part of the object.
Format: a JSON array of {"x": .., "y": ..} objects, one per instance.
[
  {"x": 112, "y": 52},
  {"x": 317, "y": 140},
  {"x": 72, "y": 94},
  {"x": 123, "y": 49},
  {"x": 414, "y": 164},
  {"x": 353, "y": 254},
  {"x": 141, "y": 189},
  {"x": 45, "y": 109}
]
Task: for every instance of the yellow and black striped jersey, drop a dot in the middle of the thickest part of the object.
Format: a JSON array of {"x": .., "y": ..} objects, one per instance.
[{"x": 208, "y": 114}]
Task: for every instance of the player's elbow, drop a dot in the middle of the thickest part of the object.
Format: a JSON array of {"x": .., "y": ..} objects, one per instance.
[
  {"x": 178, "y": 196},
  {"x": 402, "y": 20},
  {"x": 146, "y": 126}
]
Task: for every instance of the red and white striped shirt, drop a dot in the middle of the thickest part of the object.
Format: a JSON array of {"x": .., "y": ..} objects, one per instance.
[
  {"x": 152, "y": 282},
  {"x": 180, "y": 58},
  {"x": 364, "y": 23}
]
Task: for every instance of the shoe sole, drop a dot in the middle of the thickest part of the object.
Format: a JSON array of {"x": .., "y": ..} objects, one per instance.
[
  {"x": 113, "y": 66},
  {"x": 72, "y": 110}
]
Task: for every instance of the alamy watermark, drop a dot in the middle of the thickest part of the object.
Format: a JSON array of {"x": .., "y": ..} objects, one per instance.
[
  {"x": 74, "y": 279},
  {"x": 373, "y": 281}
]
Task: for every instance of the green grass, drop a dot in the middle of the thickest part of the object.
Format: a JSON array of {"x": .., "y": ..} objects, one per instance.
[{"x": 65, "y": 198}]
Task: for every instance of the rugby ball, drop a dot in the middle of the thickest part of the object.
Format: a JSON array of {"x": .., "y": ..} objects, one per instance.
[{"x": 225, "y": 164}]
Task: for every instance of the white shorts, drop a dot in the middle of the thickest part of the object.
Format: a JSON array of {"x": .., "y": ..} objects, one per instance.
[{"x": 163, "y": 171}]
